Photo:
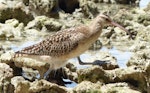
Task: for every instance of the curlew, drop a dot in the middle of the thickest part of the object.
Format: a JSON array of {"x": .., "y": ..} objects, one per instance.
[{"x": 68, "y": 43}]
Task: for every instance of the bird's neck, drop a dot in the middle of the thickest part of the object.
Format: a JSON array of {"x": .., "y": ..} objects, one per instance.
[{"x": 95, "y": 27}]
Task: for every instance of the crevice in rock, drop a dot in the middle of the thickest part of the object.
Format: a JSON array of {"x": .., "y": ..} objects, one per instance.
[{"x": 68, "y": 6}]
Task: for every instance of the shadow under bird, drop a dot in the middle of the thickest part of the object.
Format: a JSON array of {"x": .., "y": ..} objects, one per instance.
[{"x": 68, "y": 43}]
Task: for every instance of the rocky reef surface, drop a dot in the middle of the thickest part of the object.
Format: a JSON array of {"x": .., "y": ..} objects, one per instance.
[{"x": 22, "y": 21}]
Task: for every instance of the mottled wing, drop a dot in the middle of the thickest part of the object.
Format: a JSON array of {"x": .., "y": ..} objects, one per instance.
[{"x": 58, "y": 44}]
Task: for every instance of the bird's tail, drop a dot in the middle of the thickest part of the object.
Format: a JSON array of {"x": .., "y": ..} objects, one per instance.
[{"x": 18, "y": 54}]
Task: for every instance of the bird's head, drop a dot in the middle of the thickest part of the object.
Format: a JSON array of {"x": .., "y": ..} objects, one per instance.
[{"x": 106, "y": 20}]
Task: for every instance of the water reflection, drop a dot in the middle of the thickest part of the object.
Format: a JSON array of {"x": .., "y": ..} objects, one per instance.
[
  {"x": 121, "y": 56},
  {"x": 71, "y": 85}
]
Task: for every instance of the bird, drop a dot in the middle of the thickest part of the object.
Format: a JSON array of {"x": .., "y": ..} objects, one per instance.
[{"x": 68, "y": 43}]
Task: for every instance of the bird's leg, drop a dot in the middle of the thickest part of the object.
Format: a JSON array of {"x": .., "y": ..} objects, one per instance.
[
  {"x": 82, "y": 63},
  {"x": 96, "y": 62},
  {"x": 47, "y": 73},
  {"x": 55, "y": 71}
]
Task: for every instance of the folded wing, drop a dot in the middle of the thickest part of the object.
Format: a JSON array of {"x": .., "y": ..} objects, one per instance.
[{"x": 57, "y": 44}]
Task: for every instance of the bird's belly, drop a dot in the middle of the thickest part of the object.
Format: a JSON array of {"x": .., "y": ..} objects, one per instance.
[
  {"x": 82, "y": 46},
  {"x": 78, "y": 51},
  {"x": 55, "y": 62}
]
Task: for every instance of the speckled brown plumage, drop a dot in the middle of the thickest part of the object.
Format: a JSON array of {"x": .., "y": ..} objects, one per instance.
[{"x": 57, "y": 44}]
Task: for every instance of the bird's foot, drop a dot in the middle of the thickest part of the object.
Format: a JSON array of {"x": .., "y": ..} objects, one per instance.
[
  {"x": 100, "y": 63},
  {"x": 96, "y": 62}
]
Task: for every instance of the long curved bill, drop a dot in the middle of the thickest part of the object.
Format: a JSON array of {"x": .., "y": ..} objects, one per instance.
[{"x": 121, "y": 27}]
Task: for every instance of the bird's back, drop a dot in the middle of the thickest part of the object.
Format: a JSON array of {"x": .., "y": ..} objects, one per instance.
[{"x": 58, "y": 44}]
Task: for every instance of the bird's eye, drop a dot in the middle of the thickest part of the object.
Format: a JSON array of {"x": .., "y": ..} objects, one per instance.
[{"x": 107, "y": 19}]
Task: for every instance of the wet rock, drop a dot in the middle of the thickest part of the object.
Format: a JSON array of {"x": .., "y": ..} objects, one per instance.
[
  {"x": 6, "y": 73},
  {"x": 30, "y": 34},
  {"x": 143, "y": 34},
  {"x": 13, "y": 22},
  {"x": 134, "y": 75},
  {"x": 47, "y": 87},
  {"x": 69, "y": 20},
  {"x": 71, "y": 67},
  {"x": 148, "y": 7},
  {"x": 142, "y": 40},
  {"x": 119, "y": 88},
  {"x": 86, "y": 74},
  {"x": 8, "y": 31},
  {"x": 89, "y": 8},
  {"x": 140, "y": 58},
  {"x": 122, "y": 15},
  {"x": 126, "y": 1},
  {"x": 107, "y": 33},
  {"x": 139, "y": 45},
  {"x": 70, "y": 72},
  {"x": 7, "y": 57},
  {"x": 11, "y": 30},
  {"x": 118, "y": 32},
  {"x": 96, "y": 46},
  {"x": 77, "y": 14},
  {"x": 24, "y": 62},
  {"x": 106, "y": 1},
  {"x": 30, "y": 63},
  {"x": 2, "y": 50},
  {"x": 14, "y": 9},
  {"x": 147, "y": 76},
  {"x": 135, "y": 2},
  {"x": 68, "y": 6},
  {"x": 30, "y": 74},
  {"x": 87, "y": 87},
  {"x": 20, "y": 84},
  {"x": 42, "y": 22},
  {"x": 24, "y": 86},
  {"x": 44, "y": 7},
  {"x": 144, "y": 19}
]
